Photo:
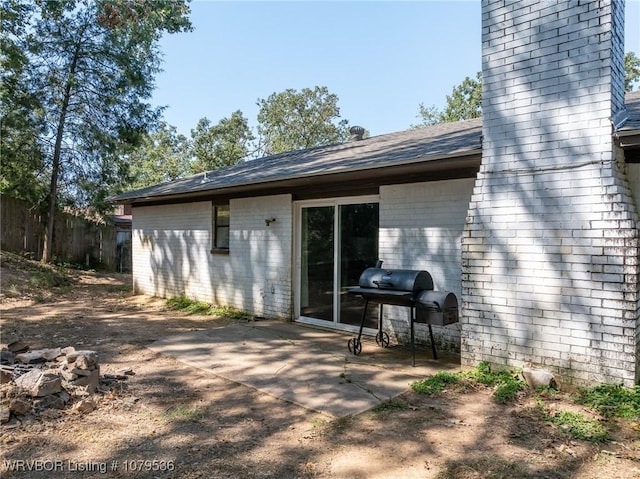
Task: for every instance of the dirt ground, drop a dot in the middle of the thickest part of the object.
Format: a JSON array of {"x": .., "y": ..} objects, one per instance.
[{"x": 169, "y": 420}]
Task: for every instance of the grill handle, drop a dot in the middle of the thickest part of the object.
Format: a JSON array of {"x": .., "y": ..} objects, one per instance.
[
  {"x": 383, "y": 284},
  {"x": 437, "y": 308}
]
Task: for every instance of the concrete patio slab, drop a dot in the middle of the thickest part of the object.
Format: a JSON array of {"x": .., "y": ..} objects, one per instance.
[{"x": 307, "y": 366}]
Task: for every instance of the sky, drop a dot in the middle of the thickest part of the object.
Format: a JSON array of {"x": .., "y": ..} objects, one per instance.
[{"x": 381, "y": 58}]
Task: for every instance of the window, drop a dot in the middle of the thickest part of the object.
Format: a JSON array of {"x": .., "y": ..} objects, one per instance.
[{"x": 220, "y": 228}]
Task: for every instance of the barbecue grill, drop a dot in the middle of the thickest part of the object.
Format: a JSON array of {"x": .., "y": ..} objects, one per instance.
[{"x": 403, "y": 287}]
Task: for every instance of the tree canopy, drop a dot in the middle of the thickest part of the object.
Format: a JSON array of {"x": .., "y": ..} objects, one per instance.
[
  {"x": 220, "y": 145},
  {"x": 162, "y": 156},
  {"x": 292, "y": 120},
  {"x": 22, "y": 169},
  {"x": 88, "y": 66},
  {"x": 287, "y": 121},
  {"x": 465, "y": 101},
  {"x": 631, "y": 70}
]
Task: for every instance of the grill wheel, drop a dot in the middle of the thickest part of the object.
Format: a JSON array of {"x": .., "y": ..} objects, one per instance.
[
  {"x": 382, "y": 339},
  {"x": 355, "y": 346}
]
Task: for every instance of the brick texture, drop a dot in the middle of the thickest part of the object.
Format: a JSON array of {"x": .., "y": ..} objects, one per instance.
[
  {"x": 421, "y": 226},
  {"x": 175, "y": 258},
  {"x": 550, "y": 247}
]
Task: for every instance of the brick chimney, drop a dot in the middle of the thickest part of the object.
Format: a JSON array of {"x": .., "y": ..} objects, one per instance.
[{"x": 550, "y": 248}]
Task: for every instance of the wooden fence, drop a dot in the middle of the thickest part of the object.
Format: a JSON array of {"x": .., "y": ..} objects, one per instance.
[{"x": 76, "y": 240}]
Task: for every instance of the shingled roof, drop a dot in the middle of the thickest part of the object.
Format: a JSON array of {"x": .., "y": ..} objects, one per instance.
[
  {"x": 444, "y": 150},
  {"x": 408, "y": 147},
  {"x": 628, "y": 134}
]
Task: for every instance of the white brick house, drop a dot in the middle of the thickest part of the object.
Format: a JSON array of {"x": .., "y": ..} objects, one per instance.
[
  {"x": 550, "y": 249},
  {"x": 401, "y": 197},
  {"x": 528, "y": 216}
]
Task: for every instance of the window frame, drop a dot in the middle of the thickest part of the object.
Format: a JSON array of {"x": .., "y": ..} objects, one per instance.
[{"x": 216, "y": 227}]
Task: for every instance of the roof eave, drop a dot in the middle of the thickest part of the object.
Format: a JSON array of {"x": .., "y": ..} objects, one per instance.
[
  {"x": 462, "y": 161},
  {"x": 628, "y": 139}
]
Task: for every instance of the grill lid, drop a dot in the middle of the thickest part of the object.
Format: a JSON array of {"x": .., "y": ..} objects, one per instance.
[
  {"x": 396, "y": 279},
  {"x": 437, "y": 301}
]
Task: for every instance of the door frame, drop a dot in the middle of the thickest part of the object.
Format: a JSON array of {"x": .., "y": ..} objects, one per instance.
[{"x": 297, "y": 260}]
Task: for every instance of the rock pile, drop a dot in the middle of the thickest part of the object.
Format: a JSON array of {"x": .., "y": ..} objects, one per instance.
[{"x": 46, "y": 378}]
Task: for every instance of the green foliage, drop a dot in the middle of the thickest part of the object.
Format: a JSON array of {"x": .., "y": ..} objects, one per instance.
[
  {"x": 609, "y": 400},
  {"x": 464, "y": 103},
  {"x": 48, "y": 278},
  {"x": 579, "y": 426},
  {"x": 631, "y": 70},
  {"x": 483, "y": 374},
  {"x": 40, "y": 281},
  {"x": 506, "y": 383},
  {"x": 182, "y": 303},
  {"x": 612, "y": 400},
  {"x": 507, "y": 391},
  {"x": 162, "y": 156},
  {"x": 80, "y": 76},
  {"x": 429, "y": 115},
  {"x": 436, "y": 383},
  {"x": 465, "y": 100},
  {"x": 181, "y": 412},
  {"x": 224, "y": 144},
  {"x": 228, "y": 312},
  {"x": 292, "y": 120},
  {"x": 23, "y": 163}
]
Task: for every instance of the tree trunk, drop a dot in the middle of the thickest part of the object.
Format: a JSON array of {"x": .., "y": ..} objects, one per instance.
[{"x": 55, "y": 170}]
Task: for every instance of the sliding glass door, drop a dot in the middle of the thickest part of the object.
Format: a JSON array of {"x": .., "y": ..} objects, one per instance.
[
  {"x": 316, "y": 285},
  {"x": 337, "y": 241}
]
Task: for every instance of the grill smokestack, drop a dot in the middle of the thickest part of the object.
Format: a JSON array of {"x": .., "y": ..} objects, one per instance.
[{"x": 356, "y": 133}]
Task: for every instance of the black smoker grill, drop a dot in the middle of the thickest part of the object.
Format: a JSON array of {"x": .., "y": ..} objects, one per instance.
[{"x": 404, "y": 287}]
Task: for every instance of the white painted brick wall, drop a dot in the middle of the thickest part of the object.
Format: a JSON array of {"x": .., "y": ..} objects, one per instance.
[
  {"x": 260, "y": 255},
  {"x": 550, "y": 248},
  {"x": 171, "y": 254},
  {"x": 633, "y": 175},
  {"x": 421, "y": 227}
]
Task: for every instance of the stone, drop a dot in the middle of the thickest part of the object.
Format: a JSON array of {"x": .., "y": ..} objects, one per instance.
[
  {"x": 84, "y": 406},
  {"x": 49, "y": 402},
  {"x": 28, "y": 380},
  {"x": 77, "y": 391},
  {"x": 64, "y": 396},
  {"x": 6, "y": 375},
  {"x": 38, "y": 383},
  {"x": 84, "y": 359},
  {"x": 92, "y": 381},
  {"x": 536, "y": 378},
  {"x": 31, "y": 357},
  {"x": 18, "y": 347},
  {"x": 8, "y": 390},
  {"x": 68, "y": 375},
  {"x": 5, "y": 414},
  {"x": 68, "y": 351},
  {"x": 7, "y": 357},
  {"x": 52, "y": 354},
  {"x": 20, "y": 406}
]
